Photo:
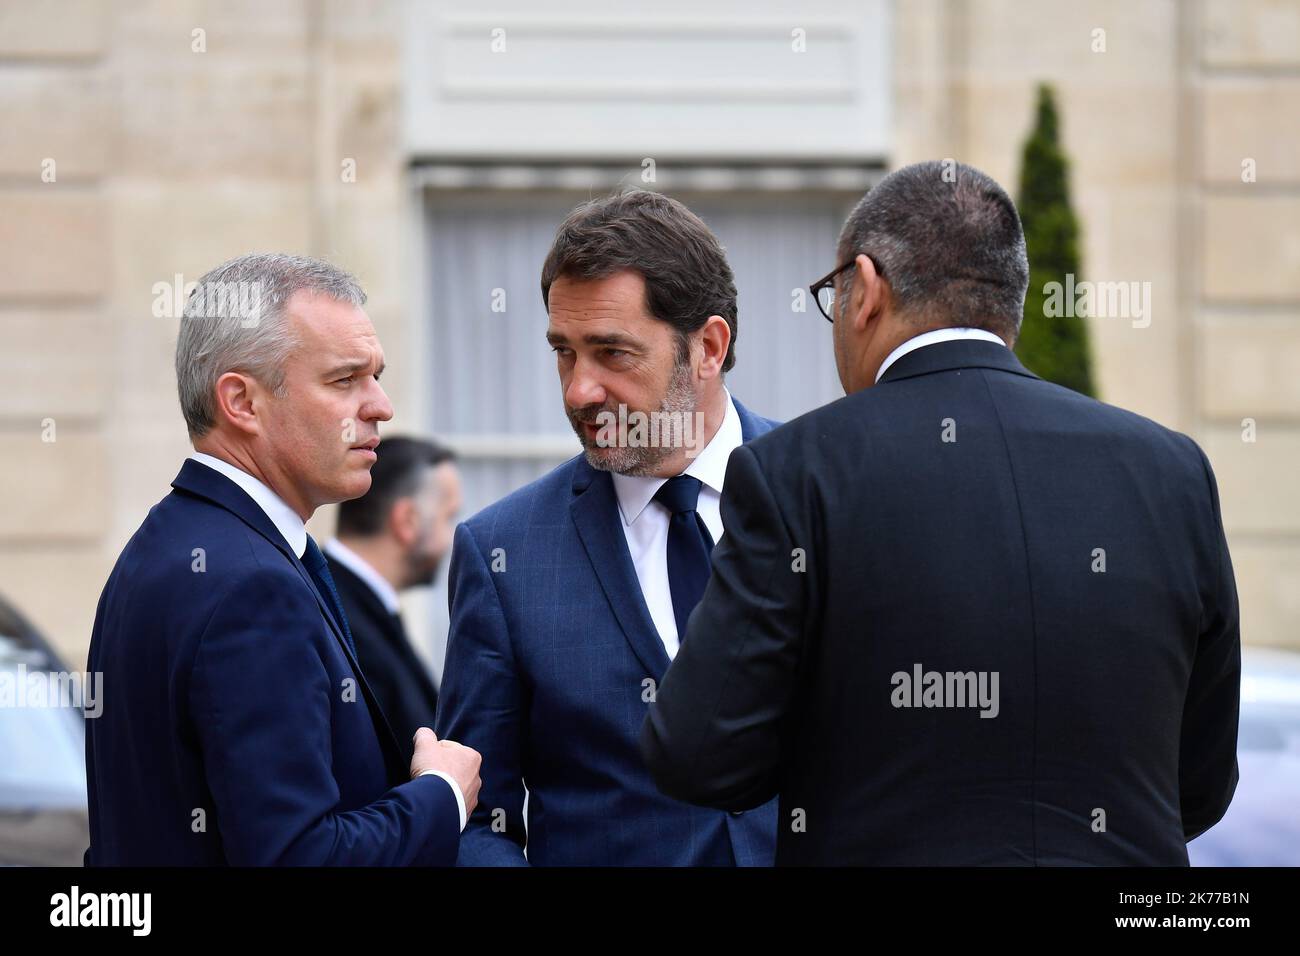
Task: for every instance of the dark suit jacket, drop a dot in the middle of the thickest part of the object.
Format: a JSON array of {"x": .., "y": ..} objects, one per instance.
[
  {"x": 551, "y": 659},
  {"x": 395, "y": 673},
  {"x": 237, "y": 728},
  {"x": 1114, "y": 739}
]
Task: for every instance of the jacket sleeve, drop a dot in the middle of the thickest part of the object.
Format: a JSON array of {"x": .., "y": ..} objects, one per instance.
[
  {"x": 260, "y": 698},
  {"x": 1207, "y": 769},
  {"x": 481, "y": 705},
  {"x": 713, "y": 735}
]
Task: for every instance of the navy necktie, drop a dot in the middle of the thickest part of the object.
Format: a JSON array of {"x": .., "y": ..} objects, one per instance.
[
  {"x": 689, "y": 546},
  {"x": 314, "y": 561}
]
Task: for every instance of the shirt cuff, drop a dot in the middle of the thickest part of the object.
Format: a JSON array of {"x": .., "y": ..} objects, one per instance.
[{"x": 455, "y": 788}]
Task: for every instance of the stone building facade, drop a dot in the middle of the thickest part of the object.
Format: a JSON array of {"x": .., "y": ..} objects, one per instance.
[{"x": 145, "y": 140}]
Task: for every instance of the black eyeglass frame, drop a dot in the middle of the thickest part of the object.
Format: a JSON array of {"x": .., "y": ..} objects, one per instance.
[{"x": 828, "y": 280}]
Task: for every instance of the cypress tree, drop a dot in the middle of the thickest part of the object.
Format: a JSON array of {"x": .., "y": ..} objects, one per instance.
[{"x": 1052, "y": 347}]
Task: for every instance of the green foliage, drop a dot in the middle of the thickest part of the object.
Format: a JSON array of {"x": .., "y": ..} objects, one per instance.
[{"x": 1053, "y": 347}]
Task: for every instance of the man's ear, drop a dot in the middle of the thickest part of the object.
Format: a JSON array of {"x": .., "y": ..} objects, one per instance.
[
  {"x": 869, "y": 295},
  {"x": 714, "y": 338},
  {"x": 239, "y": 398},
  {"x": 403, "y": 521}
]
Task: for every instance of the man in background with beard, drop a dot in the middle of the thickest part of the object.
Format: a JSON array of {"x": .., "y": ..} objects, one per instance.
[
  {"x": 569, "y": 596},
  {"x": 392, "y": 538}
]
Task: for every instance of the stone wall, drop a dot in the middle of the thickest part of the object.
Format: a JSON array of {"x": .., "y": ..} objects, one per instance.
[{"x": 168, "y": 160}]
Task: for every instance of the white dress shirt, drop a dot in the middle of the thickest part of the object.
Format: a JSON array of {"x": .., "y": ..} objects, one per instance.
[
  {"x": 363, "y": 569},
  {"x": 645, "y": 521},
  {"x": 931, "y": 338},
  {"x": 284, "y": 518},
  {"x": 294, "y": 531}
]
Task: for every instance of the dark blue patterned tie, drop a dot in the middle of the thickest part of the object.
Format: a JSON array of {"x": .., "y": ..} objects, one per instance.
[
  {"x": 689, "y": 546},
  {"x": 314, "y": 561}
]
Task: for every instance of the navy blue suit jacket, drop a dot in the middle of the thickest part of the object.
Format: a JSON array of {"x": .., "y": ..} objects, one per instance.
[
  {"x": 551, "y": 662},
  {"x": 237, "y": 728}
]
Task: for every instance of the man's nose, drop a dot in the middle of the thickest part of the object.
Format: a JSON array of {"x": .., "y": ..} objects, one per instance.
[
  {"x": 584, "y": 389},
  {"x": 377, "y": 407}
]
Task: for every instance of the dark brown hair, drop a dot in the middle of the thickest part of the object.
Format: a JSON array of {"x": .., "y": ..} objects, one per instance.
[{"x": 687, "y": 278}]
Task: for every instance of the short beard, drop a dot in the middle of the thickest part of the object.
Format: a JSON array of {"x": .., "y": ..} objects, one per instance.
[
  {"x": 636, "y": 461},
  {"x": 421, "y": 573}
]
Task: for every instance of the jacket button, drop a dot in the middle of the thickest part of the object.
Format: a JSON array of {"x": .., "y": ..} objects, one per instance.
[{"x": 737, "y": 813}]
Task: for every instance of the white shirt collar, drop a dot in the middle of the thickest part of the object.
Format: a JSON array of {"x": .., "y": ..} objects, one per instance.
[
  {"x": 363, "y": 569},
  {"x": 933, "y": 337},
  {"x": 284, "y": 518},
  {"x": 710, "y": 466}
]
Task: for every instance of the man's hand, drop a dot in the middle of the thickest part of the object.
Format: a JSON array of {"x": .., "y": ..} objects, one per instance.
[{"x": 446, "y": 756}]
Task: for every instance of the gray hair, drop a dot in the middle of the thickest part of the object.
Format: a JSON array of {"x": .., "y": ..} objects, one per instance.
[
  {"x": 948, "y": 240},
  {"x": 234, "y": 321}
]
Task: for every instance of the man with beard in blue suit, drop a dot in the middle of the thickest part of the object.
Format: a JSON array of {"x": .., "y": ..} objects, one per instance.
[{"x": 568, "y": 597}]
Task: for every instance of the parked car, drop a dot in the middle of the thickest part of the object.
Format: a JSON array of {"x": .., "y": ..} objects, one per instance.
[
  {"x": 43, "y": 818},
  {"x": 1262, "y": 826}
]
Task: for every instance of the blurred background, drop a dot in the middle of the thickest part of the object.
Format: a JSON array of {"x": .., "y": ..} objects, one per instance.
[{"x": 432, "y": 149}]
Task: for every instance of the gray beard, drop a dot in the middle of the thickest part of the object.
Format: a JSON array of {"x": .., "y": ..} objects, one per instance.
[{"x": 641, "y": 461}]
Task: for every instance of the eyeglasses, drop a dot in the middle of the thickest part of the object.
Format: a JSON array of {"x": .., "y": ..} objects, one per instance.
[{"x": 823, "y": 289}]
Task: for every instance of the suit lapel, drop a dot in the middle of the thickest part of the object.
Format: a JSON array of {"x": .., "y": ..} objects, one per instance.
[
  {"x": 595, "y": 514},
  {"x": 199, "y": 479},
  {"x": 203, "y": 481},
  {"x": 366, "y": 600}
]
